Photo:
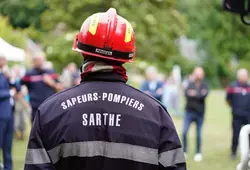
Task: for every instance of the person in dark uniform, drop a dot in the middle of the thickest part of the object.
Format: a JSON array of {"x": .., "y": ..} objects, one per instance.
[
  {"x": 41, "y": 83},
  {"x": 152, "y": 86},
  {"x": 195, "y": 93},
  {"x": 238, "y": 97},
  {"x": 8, "y": 88},
  {"x": 103, "y": 123}
]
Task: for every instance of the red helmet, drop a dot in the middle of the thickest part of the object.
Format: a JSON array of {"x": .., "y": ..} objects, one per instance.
[{"x": 106, "y": 35}]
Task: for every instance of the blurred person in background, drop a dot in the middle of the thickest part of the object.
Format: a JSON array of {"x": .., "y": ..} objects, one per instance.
[
  {"x": 196, "y": 94},
  {"x": 177, "y": 79},
  {"x": 186, "y": 81},
  {"x": 152, "y": 86},
  {"x": 8, "y": 88},
  {"x": 22, "y": 107},
  {"x": 76, "y": 74},
  {"x": 238, "y": 98},
  {"x": 170, "y": 97},
  {"x": 104, "y": 124},
  {"x": 70, "y": 76},
  {"x": 41, "y": 83}
]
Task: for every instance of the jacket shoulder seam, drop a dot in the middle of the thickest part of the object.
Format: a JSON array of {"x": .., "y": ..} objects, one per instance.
[
  {"x": 152, "y": 98},
  {"x": 59, "y": 93}
]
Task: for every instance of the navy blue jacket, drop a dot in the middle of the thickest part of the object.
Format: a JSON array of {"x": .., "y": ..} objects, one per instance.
[
  {"x": 6, "y": 108},
  {"x": 38, "y": 90},
  {"x": 153, "y": 92},
  {"x": 196, "y": 103},
  {"x": 238, "y": 96},
  {"x": 105, "y": 125}
]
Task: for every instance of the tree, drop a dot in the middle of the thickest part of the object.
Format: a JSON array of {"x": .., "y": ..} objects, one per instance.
[
  {"x": 23, "y": 13},
  {"x": 220, "y": 34},
  {"x": 157, "y": 24},
  {"x": 14, "y": 37}
]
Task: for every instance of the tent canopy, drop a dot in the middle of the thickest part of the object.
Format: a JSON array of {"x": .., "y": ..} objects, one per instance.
[{"x": 10, "y": 52}]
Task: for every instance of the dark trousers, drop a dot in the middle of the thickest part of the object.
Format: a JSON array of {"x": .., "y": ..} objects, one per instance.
[
  {"x": 198, "y": 119},
  {"x": 238, "y": 122},
  {"x": 6, "y": 137},
  {"x": 33, "y": 114}
]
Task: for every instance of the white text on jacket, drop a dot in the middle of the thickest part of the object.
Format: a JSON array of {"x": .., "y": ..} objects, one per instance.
[
  {"x": 105, "y": 97},
  {"x": 98, "y": 119}
]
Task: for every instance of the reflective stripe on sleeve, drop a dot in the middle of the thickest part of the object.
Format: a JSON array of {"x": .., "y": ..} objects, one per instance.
[
  {"x": 37, "y": 156},
  {"x": 172, "y": 157},
  {"x": 105, "y": 149}
]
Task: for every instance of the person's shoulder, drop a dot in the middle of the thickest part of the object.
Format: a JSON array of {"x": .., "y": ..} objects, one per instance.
[
  {"x": 156, "y": 104},
  {"x": 50, "y": 71},
  {"x": 145, "y": 82},
  {"x": 146, "y": 97},
  {"x": 57, "y": 97},
  {"x": 160, "y": 83},
  {"x": 233, "y": 84},
  {"x": 30, "y": 72}
]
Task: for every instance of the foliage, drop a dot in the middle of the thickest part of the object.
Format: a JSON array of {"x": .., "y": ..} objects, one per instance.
[
  {"x": 60, "y": 52},
  {"x": 157, "y": 24},
  {"x": 155, "y": 33},
  {"x": 22, "y": 13},
  {"x": 220, "y": 34},
  {"x": 14, "y": 37}
]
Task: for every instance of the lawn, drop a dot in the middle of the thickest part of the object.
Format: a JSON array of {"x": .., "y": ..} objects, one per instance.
[{"x": 216, "y": 138}]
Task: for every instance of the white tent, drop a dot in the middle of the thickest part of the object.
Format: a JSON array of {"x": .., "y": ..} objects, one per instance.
[{"x": 10, "y": 52}]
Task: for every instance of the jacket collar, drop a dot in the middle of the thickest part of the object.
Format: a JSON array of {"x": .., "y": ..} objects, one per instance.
[{"x": 103, "y": 76}]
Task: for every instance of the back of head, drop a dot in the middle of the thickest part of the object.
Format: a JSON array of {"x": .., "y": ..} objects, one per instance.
[{"x": 242, "y": 75}]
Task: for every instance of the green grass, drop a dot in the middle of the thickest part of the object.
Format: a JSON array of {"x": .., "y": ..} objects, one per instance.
[
  {"x": 19, "y": 150},
  {"x": 216, "y": 138}
]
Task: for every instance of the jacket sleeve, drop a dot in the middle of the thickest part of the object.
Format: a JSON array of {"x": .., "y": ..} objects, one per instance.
[
  {"x": 26, "y": 80},
  {"x": 229, "y": 94},
  {"x": 4, "y": 94},
  {"x": 53, "y": 75},
  {"x": 37, "y": 157},
  {"x": 155, "y": 95},
  {"x": 16, "y": 85},
  {"x": 202, "y": 94},
  {"x": 171, "y": 155}
]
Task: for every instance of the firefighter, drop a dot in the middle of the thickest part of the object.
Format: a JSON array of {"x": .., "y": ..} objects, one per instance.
[
  {"x": 41, "y": 83},
  {"x": 103, "y": 123},
  {"x": 238, "y": 97}
]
